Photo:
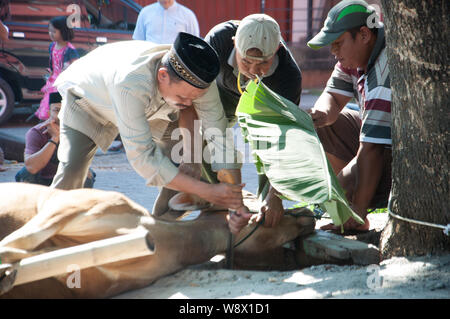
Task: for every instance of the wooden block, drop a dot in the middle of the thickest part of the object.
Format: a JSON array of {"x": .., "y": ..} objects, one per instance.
[
  {"x": 87, "y": 255},
  {"x": 329, "y": 246}
]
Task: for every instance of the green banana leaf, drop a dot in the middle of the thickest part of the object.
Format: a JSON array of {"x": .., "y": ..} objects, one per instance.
[{"x": 288, "y": 153}]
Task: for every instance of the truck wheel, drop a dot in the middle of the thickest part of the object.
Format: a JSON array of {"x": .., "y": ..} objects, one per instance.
[{"x": 6, "y": 101}]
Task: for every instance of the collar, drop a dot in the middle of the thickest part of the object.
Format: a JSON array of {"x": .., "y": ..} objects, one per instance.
[{"x": 380, "y": 44}]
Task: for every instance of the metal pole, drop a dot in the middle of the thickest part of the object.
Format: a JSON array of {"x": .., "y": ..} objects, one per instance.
[
  {"x": 310, "y": 19},
  {"x": 263, "y": 6}
]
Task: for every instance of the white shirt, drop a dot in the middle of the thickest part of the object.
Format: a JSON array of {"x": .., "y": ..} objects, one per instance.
[{"x": 161, "y": 26}]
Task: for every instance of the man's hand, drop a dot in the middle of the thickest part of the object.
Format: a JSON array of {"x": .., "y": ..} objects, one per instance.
[
  {"x": 272, "y": 208},
  {"x": 239, "y": 220},
  {"x": 52, "y": 128},
  {"x": 323, "y": 118},
  {"x": 327, "y": 108},
  {"x": 223, "y": 194},
  {"x": 319, "y": 117}
]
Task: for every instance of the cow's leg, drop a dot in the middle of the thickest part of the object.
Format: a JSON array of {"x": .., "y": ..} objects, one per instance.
[
  {"x": 184, "y": 243},
  {"x": 68, "y": 218}
]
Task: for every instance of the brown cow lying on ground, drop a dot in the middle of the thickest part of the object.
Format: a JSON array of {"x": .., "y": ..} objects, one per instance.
[{"x": 36, "y": 219}]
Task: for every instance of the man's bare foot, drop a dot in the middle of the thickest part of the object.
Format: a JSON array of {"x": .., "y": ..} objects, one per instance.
[{"x": 350, "y": 225}]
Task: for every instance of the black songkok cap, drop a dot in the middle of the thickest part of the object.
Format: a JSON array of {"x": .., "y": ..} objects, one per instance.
[
  {"x": 194, "y": 60},
  {"x": 54, "y": 98}
]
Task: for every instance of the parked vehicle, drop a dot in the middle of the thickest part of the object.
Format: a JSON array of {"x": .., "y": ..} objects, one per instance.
[{"x": 24, "y": 57}]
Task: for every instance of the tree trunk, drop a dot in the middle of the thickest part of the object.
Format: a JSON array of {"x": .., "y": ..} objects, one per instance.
[{"x": 418, "y": 54}]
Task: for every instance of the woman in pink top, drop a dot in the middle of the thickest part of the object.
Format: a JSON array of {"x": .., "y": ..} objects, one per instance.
[{"x": 62, "y": 54}]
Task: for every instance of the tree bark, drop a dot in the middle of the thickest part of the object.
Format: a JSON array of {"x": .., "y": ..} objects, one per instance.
[{"x": 417, "y": 44}]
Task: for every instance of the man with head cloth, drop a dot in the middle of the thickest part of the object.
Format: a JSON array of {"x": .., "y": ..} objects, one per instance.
[{"x": 142, "y": 91}]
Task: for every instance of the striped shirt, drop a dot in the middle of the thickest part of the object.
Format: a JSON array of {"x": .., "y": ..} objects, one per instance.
[{"x": 372, "y": 90}]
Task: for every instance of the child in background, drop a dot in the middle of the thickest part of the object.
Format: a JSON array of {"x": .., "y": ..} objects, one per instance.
[
  {"x": 3, "y": 31},
  {"x": 62, "y": 54}
]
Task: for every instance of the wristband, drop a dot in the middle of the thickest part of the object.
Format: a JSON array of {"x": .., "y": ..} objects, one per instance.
[{"x": 52, "y": 141}]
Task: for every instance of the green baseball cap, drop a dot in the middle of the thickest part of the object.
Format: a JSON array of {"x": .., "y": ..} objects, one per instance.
[{"x": 345, "y": 15}]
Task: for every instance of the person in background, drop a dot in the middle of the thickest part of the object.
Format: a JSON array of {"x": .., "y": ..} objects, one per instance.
[
  {"x": 3, "y": 31},
  {"x": 4, "y": 15},
  {"x": 161, "y": 22},
  {"x": 62, "y": 54},
  {"x": 358, "y": 146},
  {"x": 41, "y": 145}
]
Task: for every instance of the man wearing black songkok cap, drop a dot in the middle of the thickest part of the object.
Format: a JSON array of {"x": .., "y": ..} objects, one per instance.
[{"x": 144, "y": 91}]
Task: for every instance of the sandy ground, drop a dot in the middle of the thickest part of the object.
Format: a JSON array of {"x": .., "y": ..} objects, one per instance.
[{"x": 418, "y": 277}]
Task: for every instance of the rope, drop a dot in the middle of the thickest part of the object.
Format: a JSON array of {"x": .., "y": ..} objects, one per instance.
[
  {"x": 239, "y": 82},
  {"x": 446, "y": 229},
  {"x": 250, "y": 233}
]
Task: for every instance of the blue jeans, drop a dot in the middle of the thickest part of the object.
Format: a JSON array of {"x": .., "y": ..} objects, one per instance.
[
  {"x": 25, "y": 176},
  {"x": 352, "y": 106}
]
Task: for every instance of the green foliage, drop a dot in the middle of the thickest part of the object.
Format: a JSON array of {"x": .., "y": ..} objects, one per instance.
[{"x": 288, "y": 153}]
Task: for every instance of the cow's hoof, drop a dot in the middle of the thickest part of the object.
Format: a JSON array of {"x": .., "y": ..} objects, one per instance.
[
  {"x": 161, "y": 205},
  {"x": 7, "y": 278},
  {"x": 185, "y": 202}
]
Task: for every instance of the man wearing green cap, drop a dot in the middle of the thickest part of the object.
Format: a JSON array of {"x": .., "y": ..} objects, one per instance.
[{"x": 358, "y": 146}]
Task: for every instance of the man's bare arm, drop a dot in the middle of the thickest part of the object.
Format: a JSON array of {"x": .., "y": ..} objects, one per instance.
[{"x": 327, "y": 108}]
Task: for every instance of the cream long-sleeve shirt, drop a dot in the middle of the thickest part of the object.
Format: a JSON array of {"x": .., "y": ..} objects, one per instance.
[{"x": 116, "y": 92}]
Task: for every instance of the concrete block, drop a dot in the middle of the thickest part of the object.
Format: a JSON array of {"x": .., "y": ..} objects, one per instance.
[{"x": 329, "y": 246}]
